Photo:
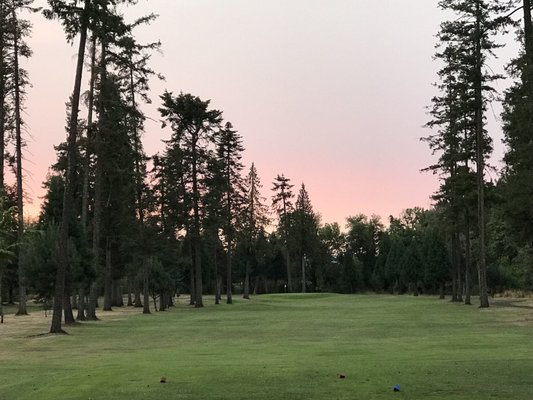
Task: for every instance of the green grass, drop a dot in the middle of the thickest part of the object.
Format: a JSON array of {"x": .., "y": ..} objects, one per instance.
[{"x": 281, "y": 347}]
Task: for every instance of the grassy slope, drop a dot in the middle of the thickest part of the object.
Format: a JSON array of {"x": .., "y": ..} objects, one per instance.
[{"x": 282, "y": 347}]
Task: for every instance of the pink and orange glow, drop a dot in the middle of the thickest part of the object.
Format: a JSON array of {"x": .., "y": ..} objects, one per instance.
[{"x": 330, "y": 93}]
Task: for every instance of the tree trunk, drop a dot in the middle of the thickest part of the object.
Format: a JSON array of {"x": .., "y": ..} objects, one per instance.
[
  {"x": 81, "y": 304},
  {"x": 130, "y": 288},
  {"x": 288, "y": 262},
  {"x": 22, "y": 309},
  {"x": 454, "y": 257},
  {"x": 191, "y": 284},
  {"x": 98, "y": 179},
  {"x": 3, "y": 92},
  {"x": 303, "y": 273},
  {"x": 478, "y": 98},
  {"x": 117, "y": 289},
  {"x": 92, "y": 303},
  {"x": 108, "y": 278},
  {"x": 137, "y": 295},
  {"x": 1, "y": 294},
  {"x": 67, "y": 306},
  {"x": 217, "y": 287},
  {"x": 246, "y": 289},
  {"x": 70, "y": 178},
  {"x": 86, "y": 161},
  {"x": 256, "y": 285},
  {"x": 229, "y": 298},
  {"x": 441, "y": 291},
  {"x": 468, "y": 261},
  {"x": 146, "y": 291}
]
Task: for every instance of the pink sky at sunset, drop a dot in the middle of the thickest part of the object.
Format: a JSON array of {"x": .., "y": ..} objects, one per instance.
[{"x": 330, "y": 93}]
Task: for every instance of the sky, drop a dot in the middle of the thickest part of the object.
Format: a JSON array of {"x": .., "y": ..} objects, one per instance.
[{"x": 331, "y": 93}]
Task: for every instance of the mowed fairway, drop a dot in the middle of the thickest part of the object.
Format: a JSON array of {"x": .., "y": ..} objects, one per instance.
[{"x": 280, "y": 347}]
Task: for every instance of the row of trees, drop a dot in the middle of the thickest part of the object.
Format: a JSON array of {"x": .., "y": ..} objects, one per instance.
[
  {"x": 192, "y": 218},
  {"x": 465, "y": 43}
]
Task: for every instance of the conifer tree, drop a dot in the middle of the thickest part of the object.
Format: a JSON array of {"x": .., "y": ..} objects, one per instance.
[
  {"x": 255, "y": 220},
  {"x": 304, "y": 231},
  {"x": 194, "y": 126},
  {"x": 468, "y": 42},
  {"x": 281, "y": 202}
]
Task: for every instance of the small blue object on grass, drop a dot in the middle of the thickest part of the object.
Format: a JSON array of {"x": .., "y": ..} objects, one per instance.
[{"x": 396, "y": 388}]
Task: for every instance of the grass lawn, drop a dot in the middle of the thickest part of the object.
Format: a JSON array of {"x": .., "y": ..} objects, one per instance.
[{"x": 278, "y": 347}]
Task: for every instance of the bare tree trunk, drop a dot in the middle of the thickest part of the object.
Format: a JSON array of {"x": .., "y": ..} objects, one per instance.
[
  {"x": 191, "y": 285},
  {"x": 303, "y": 273},
  {"x": 146, "y": 291},
  {"x": 256, "y": 285},
  {"x": 246, "y": 289},
  {"x": 217, "y": 287},
  {"x": 441, "y": 291},
  {"x": 137, "y": 295},
  {"x": 81, "y": 304},
  {"x": 108, "y": 277},
  {"x": 229, "y": 267},
  {"x": 92, "y": 304},
  {"x": 67, "y": 306},
  {"x": 468, "y": 262},
  {"x": 70, "y": 177},
  {"x": 454, "y": 259},
  {"x": 288, "y": 262},
  {"x": 1, "y": 294},
  {"x": 130, "y": 287}
]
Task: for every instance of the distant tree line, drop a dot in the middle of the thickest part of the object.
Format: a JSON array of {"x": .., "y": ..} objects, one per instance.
[{"x": 121, "y": 225}]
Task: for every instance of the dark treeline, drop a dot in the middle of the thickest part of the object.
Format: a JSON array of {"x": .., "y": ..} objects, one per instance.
[{"x": 118, "y": 225}]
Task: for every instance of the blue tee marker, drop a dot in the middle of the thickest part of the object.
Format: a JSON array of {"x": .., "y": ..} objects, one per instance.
[{"x": 396, "y": 388}]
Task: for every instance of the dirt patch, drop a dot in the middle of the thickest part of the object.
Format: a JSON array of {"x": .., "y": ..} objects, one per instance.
[{"x": 37, "y": 325}]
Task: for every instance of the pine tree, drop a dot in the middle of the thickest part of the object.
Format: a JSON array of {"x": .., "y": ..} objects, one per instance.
[
  {"x": 194, "y": 126},
  {"x": 229, "y": 154},
  {"x": 255, "y": 220},
  {"x": 303, "y": 231},
  {"x": 281, "y": 202},
  {"x": 468, "y": 44},
  {"x": 518, "y": 133}
]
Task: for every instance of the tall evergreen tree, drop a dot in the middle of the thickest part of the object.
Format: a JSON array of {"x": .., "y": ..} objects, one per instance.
[
  {"x": 468, "y": 42},
  {"x": 229, "y": 154},
  {"x": 254, "y": 222},
  {"x": 282, "y": 204},
  {"x": 517, "y": 179},
  {"x": 77, "y": 22},
  {"x": 194, "y": 126},
  {"x": 303, "y": 231}
]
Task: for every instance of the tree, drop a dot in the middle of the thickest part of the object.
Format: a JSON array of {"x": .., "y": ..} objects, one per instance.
[
  {"x": 362, "y": 241},
  {"x": 8, "y": 224},
  {"x": 20, "y": 29},
  {"x": 194, "y": 126},
  {"x": 468, "y": 42},
  {"x": 303, "y": 231},
  {"x": 281, "y": 202},
  {"x": 70, "y": 27},
  {"x": 517, "y": 117},
  {"x": 229, "y": 154},
  {"x": 254, "y": 221}
]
